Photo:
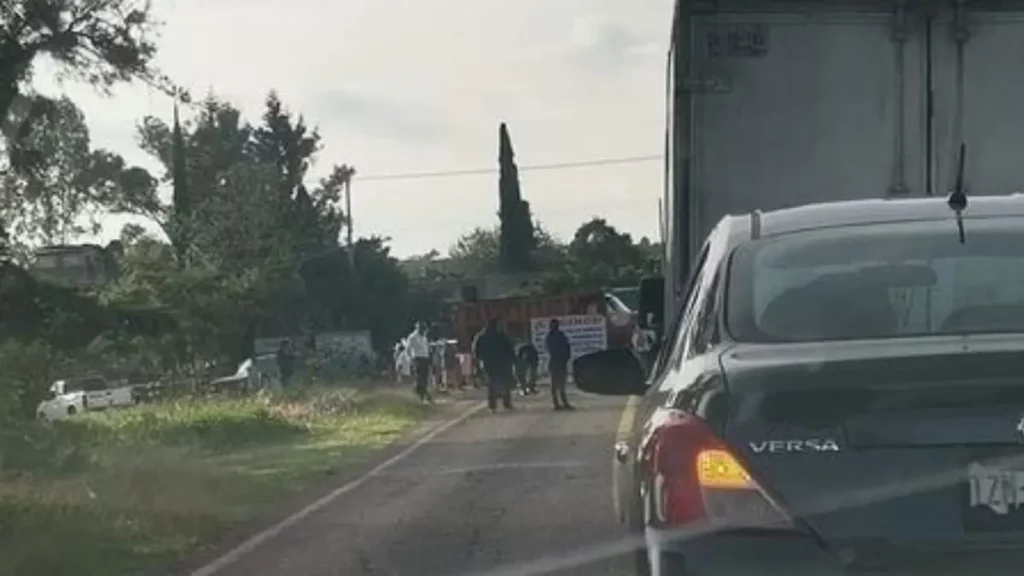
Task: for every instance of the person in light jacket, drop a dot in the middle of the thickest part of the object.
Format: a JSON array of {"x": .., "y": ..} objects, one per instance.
[{"x": 418, "y": 348}]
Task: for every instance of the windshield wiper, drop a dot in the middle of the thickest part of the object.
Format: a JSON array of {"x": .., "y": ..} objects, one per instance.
[{"x": 957, "y": 200}]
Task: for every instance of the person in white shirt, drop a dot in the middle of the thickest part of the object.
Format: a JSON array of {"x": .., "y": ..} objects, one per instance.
[
  {"x": 403, "y": 369},
  {"x": 418, "y": 347}
]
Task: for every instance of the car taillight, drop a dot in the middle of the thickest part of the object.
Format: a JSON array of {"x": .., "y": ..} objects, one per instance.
[{"x": 697, "y": 479}]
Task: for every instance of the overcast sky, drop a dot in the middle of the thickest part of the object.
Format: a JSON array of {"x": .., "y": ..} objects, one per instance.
[{"x": 406, "y": 86}]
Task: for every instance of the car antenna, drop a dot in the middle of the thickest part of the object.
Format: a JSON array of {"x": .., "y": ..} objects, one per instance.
[{"x": 958, "y": 197}]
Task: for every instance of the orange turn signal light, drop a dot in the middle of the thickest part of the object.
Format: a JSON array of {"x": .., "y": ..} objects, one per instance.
[{"x": 719, "y": 469}]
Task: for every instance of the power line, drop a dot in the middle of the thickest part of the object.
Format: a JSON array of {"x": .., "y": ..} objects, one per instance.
[
  {"x": 181, "y": 96},
  {"x": 528, "y": 168}
]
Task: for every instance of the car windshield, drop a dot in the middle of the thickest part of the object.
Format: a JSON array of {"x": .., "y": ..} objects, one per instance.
[
  {"x": 68, "y": 386},
  {"x": 57, "y": 388},
  {"x": 879, "y": 281}
]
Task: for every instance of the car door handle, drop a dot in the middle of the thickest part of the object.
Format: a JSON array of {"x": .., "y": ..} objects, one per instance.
[{"x": 621, "y": 452}]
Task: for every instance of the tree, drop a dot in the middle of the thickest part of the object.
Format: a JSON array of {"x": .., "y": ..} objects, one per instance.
[
  {"x": 422, "y": 266},
  {"x": 6, "y": 254},
  {"x": 517, "y": 239},
  {"x": 602, "y": 256},
  {"x": 181, "y": 199},
  {"x": 287, "y": 145},
  {"x": 209, "y": 309},
  {"x": 308, "y": 221},
  {"x": 384, "y": 292},
  {"x": 253, "y": 216},
  {"x": 476, "y": 253},
  {"x": 242, "y": 195},
  {"x": 69, "y": 182},
  {"x": 225, "y": 225},
  {"x": 549, "y": 252},
  {"x": 229, "y": 213},
  {"x": 99, "y": 42}
]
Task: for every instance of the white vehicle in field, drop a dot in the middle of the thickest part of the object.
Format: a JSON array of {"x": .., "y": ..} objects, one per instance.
[
  {"x": 252, "y": 374},
  {"x": 75, "y": 395}
]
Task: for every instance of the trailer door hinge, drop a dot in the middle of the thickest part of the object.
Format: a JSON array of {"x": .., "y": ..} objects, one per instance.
[
  {"x": 706, "y": 85},
  {"x": 899, "y": 25},
  {"x": 961, "y": 32}
]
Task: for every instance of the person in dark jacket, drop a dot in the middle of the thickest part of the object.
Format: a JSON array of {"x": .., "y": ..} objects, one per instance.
[
  {"x": 559, "y": 353},
  {"x": 527, "y": 360},
  {"x": 285, "y": 362},
  {"x": 495, "y": 351}
]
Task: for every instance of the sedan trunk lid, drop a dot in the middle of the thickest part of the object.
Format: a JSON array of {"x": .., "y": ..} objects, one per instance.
[{"x": 887, "y": 445}]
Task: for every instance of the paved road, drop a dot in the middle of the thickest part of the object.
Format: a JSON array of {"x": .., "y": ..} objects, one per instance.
[{"x": 492, "y": 495}]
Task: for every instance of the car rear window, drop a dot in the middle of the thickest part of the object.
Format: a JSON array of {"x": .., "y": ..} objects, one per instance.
[{"x": 879, "y": 281}]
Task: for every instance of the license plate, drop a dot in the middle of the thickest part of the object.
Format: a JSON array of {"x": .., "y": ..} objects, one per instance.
[{"x": 995, "y": 496}]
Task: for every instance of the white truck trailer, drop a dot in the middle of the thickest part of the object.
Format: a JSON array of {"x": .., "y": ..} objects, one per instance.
[{"x": 776, "y": 103}]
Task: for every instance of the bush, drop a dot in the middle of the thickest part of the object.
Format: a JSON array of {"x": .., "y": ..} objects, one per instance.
[
  {"x": 26, "y": 372},
  {"x": 34, "y": 449},
  {"x": 210, "y": 424}
]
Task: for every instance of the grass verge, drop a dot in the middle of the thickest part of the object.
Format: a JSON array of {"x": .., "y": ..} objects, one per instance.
[{"x": 128, "y": 491}]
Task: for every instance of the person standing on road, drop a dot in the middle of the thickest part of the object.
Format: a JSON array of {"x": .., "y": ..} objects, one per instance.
[
  {"x": 466, "y": 371},
  {"x": 452, "y": 367},
  {"x": 559, "y": 353},
  {"x": 527, "y": 360},
  {"x": 643, "y": 342},
  {"x": 418, "y": 348},
  {"x": 285, "y": 362},
  {"x": 479, "y": 377},
  {"x": 495, "y": 351},
  {"x": 436, "y": 374}
]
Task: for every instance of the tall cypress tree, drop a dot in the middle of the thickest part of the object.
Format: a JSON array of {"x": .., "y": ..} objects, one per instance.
[
  {"x": 517, "y": 234},
  {"x": 181, "y": 203}
]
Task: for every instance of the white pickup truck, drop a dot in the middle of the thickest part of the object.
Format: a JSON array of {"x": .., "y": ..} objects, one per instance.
[{"x": 79, "y": 394}]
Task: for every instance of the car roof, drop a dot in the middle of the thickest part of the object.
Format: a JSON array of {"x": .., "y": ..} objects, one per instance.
[{"x": 882, "y": 211}]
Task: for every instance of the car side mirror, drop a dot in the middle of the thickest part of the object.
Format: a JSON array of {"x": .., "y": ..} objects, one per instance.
[{"x": 614, "y": 372}]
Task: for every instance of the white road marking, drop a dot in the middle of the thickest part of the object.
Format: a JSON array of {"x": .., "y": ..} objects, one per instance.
[
  {"x": 262, "y": 537},
  {"x": 626, "y": 421},
  {"x": 621, "y": 435}
]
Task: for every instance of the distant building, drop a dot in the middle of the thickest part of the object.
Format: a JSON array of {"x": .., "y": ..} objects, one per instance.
[
  {"x": 494, "y": 286},
  {"x": 78, "y": 266},
  {"x": 444, "y": 275}
]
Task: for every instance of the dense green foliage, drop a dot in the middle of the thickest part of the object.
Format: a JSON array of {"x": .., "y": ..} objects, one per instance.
[{"x": 597, "y": 256}]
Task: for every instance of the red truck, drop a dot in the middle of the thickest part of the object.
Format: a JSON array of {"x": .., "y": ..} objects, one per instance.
[{"x": 515, "y": 314}]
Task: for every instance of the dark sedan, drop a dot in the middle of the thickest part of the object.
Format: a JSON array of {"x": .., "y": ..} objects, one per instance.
[{"x": 841, "y": 391}]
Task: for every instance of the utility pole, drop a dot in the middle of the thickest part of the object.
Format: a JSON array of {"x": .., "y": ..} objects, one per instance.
[
  {"x": 661, "y": 222},
  {"x": 351, "y": 222}
]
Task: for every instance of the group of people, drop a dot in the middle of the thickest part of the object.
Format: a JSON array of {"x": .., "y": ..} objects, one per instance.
[
  {"x": 499, "y": 362},
  {"x": 503, "y": 364},
  {"x": 444, "y": 364}
]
